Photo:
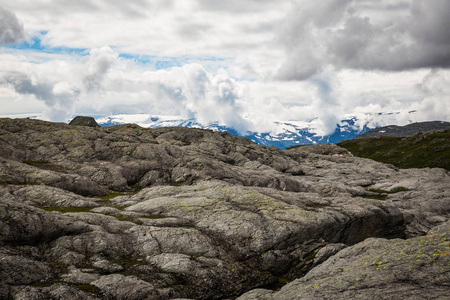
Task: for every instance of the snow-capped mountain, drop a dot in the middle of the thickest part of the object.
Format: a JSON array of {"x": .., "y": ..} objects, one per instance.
[{"x": 286, "y": 134}]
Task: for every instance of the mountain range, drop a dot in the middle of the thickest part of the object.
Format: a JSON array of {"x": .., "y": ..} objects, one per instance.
[{"x": 285, "y": 134}]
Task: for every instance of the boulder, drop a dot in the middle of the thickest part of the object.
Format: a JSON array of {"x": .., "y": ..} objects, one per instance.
[{"x": 84, "y": 121}]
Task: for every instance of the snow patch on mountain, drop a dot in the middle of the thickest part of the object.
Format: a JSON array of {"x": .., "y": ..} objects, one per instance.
[{"x": 285, "y": 134}]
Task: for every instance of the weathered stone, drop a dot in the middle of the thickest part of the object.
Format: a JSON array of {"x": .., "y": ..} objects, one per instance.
[
  {"x": 26, "y": 225},
  {"x": 198, "y": 214},
  {"x": 77, "y": 276},
  {"x": 128, "y": 288},
  {"x": 417, "y": 268},
  {"x": 46, "y": 196}
]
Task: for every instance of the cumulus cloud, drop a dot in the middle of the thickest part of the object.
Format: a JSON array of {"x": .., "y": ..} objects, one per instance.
[
  {"x": 59, "y": 84},
  {"x": 59, "y": 99},
  {"x": 325, "y": 104},
  {"x": 102, "y": 83},
  {"x": 11, "y": 30},
  {"x": 189, "y": 91},
  {"x": 348, "y": 34},
  {"x": 95, "y": 66},
  {"x": 435, "y": 105}
]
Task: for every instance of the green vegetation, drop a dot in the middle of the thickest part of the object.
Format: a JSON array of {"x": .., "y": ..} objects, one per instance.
[
  {"x": 376, "y": 197},
  {"x": 428, "y": 149},
  {"x": 137, "y": 188},
  {"x": 283, "y": 280},
  {"x": 67, "y": 209},
  {"x": 153, "y": 217},
  {"x": 88, "y": 288},
  {"x": 84, "y": 209},
  {"x": 121, "y": 218},
  {"x": 59, "y": 266},
  {"x": 397, "y": 189}
]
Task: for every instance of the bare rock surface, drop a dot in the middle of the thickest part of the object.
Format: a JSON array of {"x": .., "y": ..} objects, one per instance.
[
  {"x": 125, "y": 212},
  {"x": 417, "y": 268}
]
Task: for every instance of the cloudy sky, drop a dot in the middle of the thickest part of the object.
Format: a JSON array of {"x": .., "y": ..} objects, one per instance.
[{"x": 243, "y": 63}]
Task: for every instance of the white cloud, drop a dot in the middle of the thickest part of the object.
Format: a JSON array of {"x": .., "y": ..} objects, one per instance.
[
  {"x": 436, "y": 86},
  {"x": 95, "y": 65}
]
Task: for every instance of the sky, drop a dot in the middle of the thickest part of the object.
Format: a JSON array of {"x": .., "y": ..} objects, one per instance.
[{"x": 241, "y": 63}]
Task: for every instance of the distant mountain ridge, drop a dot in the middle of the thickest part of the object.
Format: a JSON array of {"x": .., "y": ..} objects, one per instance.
[
  {"x": 404, "y": 131},
  {"x": 285, "y": 135}
]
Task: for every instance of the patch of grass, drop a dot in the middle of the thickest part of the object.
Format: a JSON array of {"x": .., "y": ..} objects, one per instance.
[
  {"x": 88, "y": 288},
  {"x": 59, "y": 266},
  {"x": 427, "y": 149},
  {"x": 153, "y": 217},
  {"x": 47, "y": 283},
  {"x": 137, "y": 187},
  {"x": 122, "y": 218},
  {"x": 398, "y": 189},
  {"x": 376, "y": 197},
  {"x": 379, "y": 191},
  {"x": 66, "y": 209},
  {"x": 391, "y": 191},
  {"x": 283, "y": 280}
]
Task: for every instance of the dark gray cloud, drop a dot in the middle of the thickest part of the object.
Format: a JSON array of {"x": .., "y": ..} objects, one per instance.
[
  {"x": 344, "y": 34},
  {"x": 24, "y": 85},
  {"x": 11, "y": 30}
]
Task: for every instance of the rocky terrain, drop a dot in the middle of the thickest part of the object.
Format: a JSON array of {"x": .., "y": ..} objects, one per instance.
[{"x": 124, "y": 212}]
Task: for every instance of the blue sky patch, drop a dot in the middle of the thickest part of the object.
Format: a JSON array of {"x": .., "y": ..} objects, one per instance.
[{"x": 35, "y": 43}]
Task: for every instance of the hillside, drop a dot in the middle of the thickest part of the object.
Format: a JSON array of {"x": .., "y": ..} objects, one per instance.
[
  {"x": 125, "y": 212},
  {"x": 407, "y": 130},
  {"x": 427, "y": 149}
]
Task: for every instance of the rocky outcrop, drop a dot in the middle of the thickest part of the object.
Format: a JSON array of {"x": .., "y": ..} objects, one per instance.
[
  {"x": 84, "y": 121},
  {"x": 125, "y": 212},
  {"x": 417, "y": 268}
]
